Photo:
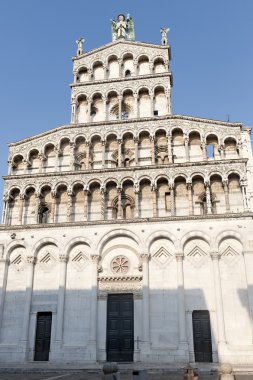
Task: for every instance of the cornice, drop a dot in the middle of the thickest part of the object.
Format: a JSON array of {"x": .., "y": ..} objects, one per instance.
[
  {"x": 121, "y": 42},
  {"x": 119, "y": 222},
  {"x": 127, "y": 122},
  {"x": 120, "y": 80},
  {"x": 132, "y": 169}
]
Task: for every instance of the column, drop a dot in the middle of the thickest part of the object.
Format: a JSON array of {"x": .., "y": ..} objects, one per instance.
[
  {"x": 9, "y": 167},
  {"x": 203, "y": 147},
  {"x": 135, "y": 67},
  {"x": 225, "y": 187},
  {"x": 170, "y": 156},
  {"x": 243, "y": 190},
  {"x": 105, "y": 109},
  {"x": 21, "y": 208},
  {"x": 53, "y": 206},
  {"x": 63, "y": 259},
  {"x": 119, "y": 215},
  {"x": 136, "y": 201},
  {"x": 181, "y": 299},
  {"x": 136, "y": 146},
  {"x": 120, "y": 106},
  {"x": 89, "y": 111},
  {"x": 218, "y": 299},
  {"x": 172, "y": 195},
  {"x": 102, "y": 203},
  {"x": 222, "y": 151},
  {"x": 249, "y": 281},
  {"x": 186, "y": 145},
  {"x": 152, "y": 140},
  {"x": 72, "y": 156},
  {"x": 30, "y": 260},
  {"x": 5, "y": 209},
  {"x": 85, "y": 206},
  {"x": 145, "y": 303},
  {"x": 87, "y": 161},
  {"x": 73, "y": 113},
  {"x": 103, "y": 154},
  {"x": 121, "y": 74},
  {"x": 154, "y": 201},
  {"x": 136, "y": 113},
  {"x": 119, "y": 153},
  {"x": 208, "y": 198},
  {"x": 41, "y": 158},
  {"x": 189, "y": 189},
  {"x": 93, "y": 307},
  {"x": 69, "y": 207},
  {"x": 37, "y": 205},
  {"x": 56, "y": 164},
  {"x": 4, "y": 266},
  {"x": 152, "y": 99}
]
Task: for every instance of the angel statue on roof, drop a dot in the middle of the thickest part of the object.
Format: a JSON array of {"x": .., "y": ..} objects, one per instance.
[{"x": 123, "y": 28}]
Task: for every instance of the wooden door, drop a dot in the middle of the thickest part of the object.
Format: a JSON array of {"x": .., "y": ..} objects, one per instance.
[
  {"x": 120, "y": 328},
  {"x": 202, "y": 336},
  {"x": 43, "y": 336}
]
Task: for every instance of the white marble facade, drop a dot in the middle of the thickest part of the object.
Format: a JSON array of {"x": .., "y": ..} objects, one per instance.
[{"x": 170, "y": 196}]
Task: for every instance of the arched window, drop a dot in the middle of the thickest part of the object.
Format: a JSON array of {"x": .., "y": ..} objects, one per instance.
[
  {"x": 127, "y": 74},
  {"x": 43, "y": 215}
]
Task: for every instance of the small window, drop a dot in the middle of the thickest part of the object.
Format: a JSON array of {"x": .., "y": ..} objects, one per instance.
[
  {"x": 155, "y": 113},
  {"x": 93, "y": 113},
  {"x": 167, "y": 201},
  {"x": 43, "y": 215},
  {"x": 127, "y": 74}
]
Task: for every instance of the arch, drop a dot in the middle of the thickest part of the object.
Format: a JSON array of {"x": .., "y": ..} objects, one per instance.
[
  {"x": 75, "y": 241},
  {"x": 158, "y": 86},
  {"x": 14, "y": 188},
  {"x": 44, "y": 184},
  {"x": 95, "y": 62},
  {"x": 111, "y": 133},
  {"x": 229, "y": 234},
  {"x": 113, "y": 180},
  {"x": 192, "y": 235},
  {"x": 59, "y": 184},
  {"x": 236, "y": 172},
  {"x": 44, "y": 241},
  {"x": 116, "y": 233},
  {"x": 229, "y": 137},
  {"x": 96, "y": 93},
  {"x": 93, "y": 182},
  {"x": 29, "y": 187},
  {"x": 142, "y": 87},
  {"x": 145, "y": 177},
  {"x": 125, "y": 179},
  {"x": 197, "y": 174},
  {"x": 15, "y": 244},
  {"x": 180, "y": 175},
  {"x": 161, "y": 176},
  {"x": 160, "y": 234},
  {"x": 208, "y": 134},
  {"x": 163, "y": 129},
  {"x": 47, "y": 144}
]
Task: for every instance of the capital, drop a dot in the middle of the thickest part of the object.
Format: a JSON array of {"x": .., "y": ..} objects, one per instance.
[
  {"x": 63, "y": 258},
  {"x": 144, "y": 257},
  {"x": 31, "y": 260}
]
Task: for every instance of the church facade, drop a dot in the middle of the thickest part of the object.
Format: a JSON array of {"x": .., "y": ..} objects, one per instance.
[{"x": 127, "y": 234}]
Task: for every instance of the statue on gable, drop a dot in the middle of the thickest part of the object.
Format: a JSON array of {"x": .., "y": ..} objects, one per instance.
[
  {"x": 164, "y": 32},
  {"x": 80, "y": 43},
  {"x": 123, "y": 28}
]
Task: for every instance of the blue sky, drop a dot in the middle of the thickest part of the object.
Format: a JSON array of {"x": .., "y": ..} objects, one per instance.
[{"x": 212, "y": 57}]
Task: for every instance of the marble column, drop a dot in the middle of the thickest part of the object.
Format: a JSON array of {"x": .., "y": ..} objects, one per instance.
[
  {"x": 92, "y": 345},
  {"x": 152, "y": 104},
  {"x": 145, "y": 305},
  {"x": 119, "y": 153},
  {"x": 72, "y": 156},
  {"x": 172, "y": 196},
  {"x": 225, "y": 187},
  {"x": 152, "y": 140},
  {"x": 63, "y": 259},
  {"x": 181, "y": 299},
  {"x": 120, "y": 213},
  {"x": 85, "y": 206},
  {"x": 136, "y": 202},
  {"x": 41, "y": 163},
  {"x": 136, "y": 145},
  {"x": 37, "y": 206},
  {"x": 56, "y": 164},
  {"x": 120, "y": 106},
  {"x": 103, "y": 153},
  {"x": 208, "y": 198},
  {"x": 190, "y": 200},
  {"x": 186, "y": 145},
  {"x": 5, "y": 209},
  {"x": 222, "y": 151},
  {"x": 105, "y": 108},
  {"x": 21, "y": 208},
  {"x": 203, "y": 147},
  {"x": 27, "y": 303},
  {"x": 53, "y": 206},
  {"x": 243, "y": 190},
  {"x": 87, "y": 160},
  {"x": 170, "y": 156},
  {"x": 135, "y": 63},
  {"x": 73, "y": 113},
  {"x": 247, "y": 255},
  {"x": 4, "y": 267},
  {"x": 89, "y": 111},
  {"x": 154, "y": 201},
  {"x": 218, "y": 300},
  {"x": 70, "y": 205},
  {"x": 136, "y": 113},
  {"x": 102, "y": 190}
]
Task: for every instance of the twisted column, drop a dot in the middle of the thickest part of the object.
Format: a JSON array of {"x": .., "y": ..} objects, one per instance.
[{"x": 225, "y": 188}]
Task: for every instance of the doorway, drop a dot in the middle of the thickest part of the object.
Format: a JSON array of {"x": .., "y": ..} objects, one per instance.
[
  {"x": 120, "y": 328},
  {"x": 202, "y": 336},
  {"x": 43, "y": 336}
]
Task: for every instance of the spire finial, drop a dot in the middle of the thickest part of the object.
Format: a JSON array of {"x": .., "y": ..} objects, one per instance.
[
  {"x": 80, "y": 43},
  {"x": 164, "y": 32}
]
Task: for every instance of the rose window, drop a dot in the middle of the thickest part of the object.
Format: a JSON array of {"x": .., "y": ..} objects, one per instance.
[{"x": 120, "y": 264}]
